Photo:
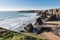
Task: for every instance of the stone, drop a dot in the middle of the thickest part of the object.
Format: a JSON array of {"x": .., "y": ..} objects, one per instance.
[
  {"x": 29, "y": 27},
  {"x": 22, "y": 31},
  {"x": 56, "y": 30},
  {"x": 39, "y": 21},
  {"x": 53, "y": 18},
  {"x": 44, "y": 29}
]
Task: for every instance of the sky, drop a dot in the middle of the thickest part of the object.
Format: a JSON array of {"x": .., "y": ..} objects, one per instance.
[{"x": 15, "y": 5}]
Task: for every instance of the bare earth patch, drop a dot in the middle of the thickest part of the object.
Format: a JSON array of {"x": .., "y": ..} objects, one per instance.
[{"x": 50, "y": 36}]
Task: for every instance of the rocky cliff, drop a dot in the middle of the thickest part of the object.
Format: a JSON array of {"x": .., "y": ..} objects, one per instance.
[
  {"x": 50, "y": 11},
  {"x": 54, "y": 13}
]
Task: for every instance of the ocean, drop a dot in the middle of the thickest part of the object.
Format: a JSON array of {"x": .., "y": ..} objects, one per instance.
[{"x": 15, "y": 21}]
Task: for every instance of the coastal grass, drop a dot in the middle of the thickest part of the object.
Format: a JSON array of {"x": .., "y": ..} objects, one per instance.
[{"x": 11, "y": 35}]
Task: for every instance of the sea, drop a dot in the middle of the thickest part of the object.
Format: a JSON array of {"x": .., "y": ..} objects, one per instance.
[{"x": 16, "y": 21}]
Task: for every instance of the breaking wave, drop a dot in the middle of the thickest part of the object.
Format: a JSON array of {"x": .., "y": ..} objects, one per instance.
[{"x": 17, "y": 24}]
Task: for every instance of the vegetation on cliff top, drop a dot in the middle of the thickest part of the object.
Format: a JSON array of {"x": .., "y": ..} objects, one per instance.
[{"x": 11, "y": 35}]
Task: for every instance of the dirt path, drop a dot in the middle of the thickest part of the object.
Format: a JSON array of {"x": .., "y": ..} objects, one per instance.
[
  {"x": 52, "y": 22},
  {"x": 50, "y": 36}
]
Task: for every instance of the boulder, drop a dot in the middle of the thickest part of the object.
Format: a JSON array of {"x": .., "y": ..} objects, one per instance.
[
  {"x": 39, "y": 21},
  {"x": 42, "y": 14},
  {"x": 53, "y": 18},
  {"x": 44, "y": 29},
  {"x": 29, "y": 27},
  {"x": 22, "y": 31}
]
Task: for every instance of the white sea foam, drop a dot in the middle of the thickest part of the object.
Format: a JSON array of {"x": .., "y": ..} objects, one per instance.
[{"x": 16, "y": 24}]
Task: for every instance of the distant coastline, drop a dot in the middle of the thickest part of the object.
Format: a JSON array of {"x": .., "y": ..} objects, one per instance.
[{"x": 29, "y": 11}]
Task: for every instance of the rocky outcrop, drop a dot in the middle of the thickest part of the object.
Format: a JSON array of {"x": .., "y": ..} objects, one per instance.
[
  {"x": 53, "y": 18},
  {"x": 43, "y": 14},
  {"x": 56, "y": 30},
  {"x": 49, "y": 12},
  {"x": 44, "y": 29},
  {"x": 39, "y": 21},
  {"x": 29, "y": 27}
]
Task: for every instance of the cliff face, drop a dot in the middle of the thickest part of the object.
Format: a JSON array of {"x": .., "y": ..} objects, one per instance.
[
  {"x": 50, "y": 11},
  {"x": 54, "y": 16}
]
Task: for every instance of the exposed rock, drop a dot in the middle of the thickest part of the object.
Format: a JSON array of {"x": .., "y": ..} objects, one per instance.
[
  {"x": 43, "y": 14},
  {"x": 22, "y": 31},
  {"x": 44, "y": 29},
  {"x": 50, "y": 12},
  {"x": 29, "y": 27},
  {"x": 56, "y": 30},
  {"x": 39, "y": 21},
  {"x": 53, "y": 18}
]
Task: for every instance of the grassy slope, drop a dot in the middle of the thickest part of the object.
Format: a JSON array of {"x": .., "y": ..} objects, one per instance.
[{"x": 11, "y": 35}]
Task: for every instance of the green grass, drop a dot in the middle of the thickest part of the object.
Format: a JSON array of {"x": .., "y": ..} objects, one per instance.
[{"x": 11, "y": 35}]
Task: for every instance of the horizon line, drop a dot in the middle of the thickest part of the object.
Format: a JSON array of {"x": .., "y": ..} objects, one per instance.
[{"x": 26, "y": 9}]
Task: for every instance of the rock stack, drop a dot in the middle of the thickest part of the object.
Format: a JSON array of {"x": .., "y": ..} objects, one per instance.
[{"x": 29, "y": 27}]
